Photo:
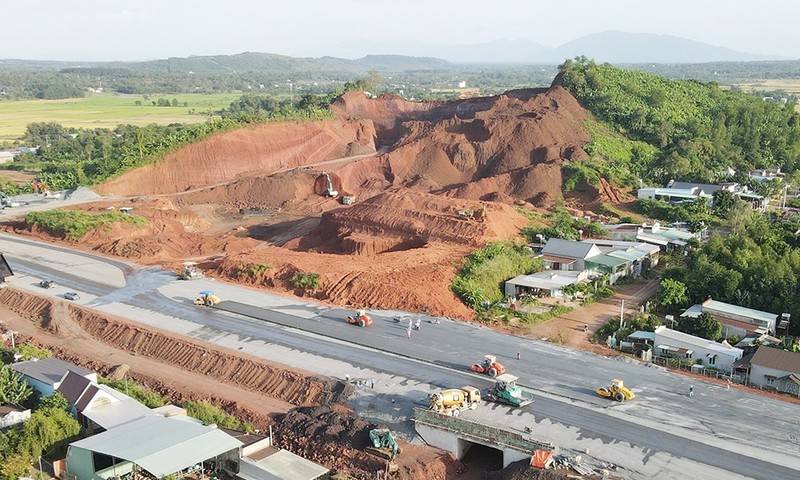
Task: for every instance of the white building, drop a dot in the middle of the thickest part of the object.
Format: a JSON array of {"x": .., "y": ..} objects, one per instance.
[
  {"x": 672, "y": 343},
  {"x": 735, "y": 320}
]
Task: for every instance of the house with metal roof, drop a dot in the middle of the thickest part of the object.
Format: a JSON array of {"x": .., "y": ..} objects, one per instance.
[
  {"x": 614, "y": 267},
  {"x": 560, "y": 254},
  {"x": 665, "y": 238},
  {"x": 683, "y": 192},
  {"x": 11, "y": 415},
  {"x": 674, "y": 344},
  {"x": 99, "y": 406},
  {"x": 735, "y": 320},
  {"x": 45, "y": 375},
  {"x": 547, "y": 283},
  {"x": 262, "y": 461},
  {"x": 154, "y": 445},
  {"x": 638, "y": 254},
  {"x": 772, "y": 368}
]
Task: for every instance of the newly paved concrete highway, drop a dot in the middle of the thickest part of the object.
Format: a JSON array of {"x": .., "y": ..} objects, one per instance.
[{"x": 662, "y": 433}]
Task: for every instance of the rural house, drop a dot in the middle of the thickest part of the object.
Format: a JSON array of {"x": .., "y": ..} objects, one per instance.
[
  {"x": 735, "y": 320},
  {"x": 99, "y": 407},
  {"x": 666, "y": 239},
  {"x": 159, "y": 446},
  {"x": 772, "y": 368},
  {"x": 45, "y": 375},
  {"x": 568, "y": 262},
  {"x": 560, "y": 254},
  {"x": 11, "y": 415},
  {"x": 710, "y": 354},
  {"x": 687, "y": 192}
]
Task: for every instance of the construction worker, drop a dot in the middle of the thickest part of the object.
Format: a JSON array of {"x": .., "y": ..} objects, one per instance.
[
  {"x": 691, "y": 391},
  {"x": 518, "y": 355},
  {"x": 417, "y": 325}
]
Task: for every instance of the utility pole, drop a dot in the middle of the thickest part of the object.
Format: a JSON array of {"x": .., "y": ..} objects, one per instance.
[{"x": 622, "y": 314}]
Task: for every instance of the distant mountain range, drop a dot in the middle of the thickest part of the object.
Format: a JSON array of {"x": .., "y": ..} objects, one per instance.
[
  {"x": 610, "y": 46},
  {"x": 359, "y": 56}
]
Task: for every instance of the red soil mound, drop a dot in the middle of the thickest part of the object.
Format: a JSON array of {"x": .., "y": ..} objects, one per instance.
[
  {"x": 263, "y": 149},
  {"x": 402, "y": 220},
  {"x": 440, "y": 185}
]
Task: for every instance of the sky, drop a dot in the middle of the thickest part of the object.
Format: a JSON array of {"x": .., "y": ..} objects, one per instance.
[{"x": 130, "y": 30}]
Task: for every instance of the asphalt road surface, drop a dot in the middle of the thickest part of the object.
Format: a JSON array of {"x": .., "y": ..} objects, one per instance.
[{"x": 662, "y": 433}]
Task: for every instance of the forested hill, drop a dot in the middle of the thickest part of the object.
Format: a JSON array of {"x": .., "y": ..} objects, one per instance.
[{"x": 697, "y": 130}]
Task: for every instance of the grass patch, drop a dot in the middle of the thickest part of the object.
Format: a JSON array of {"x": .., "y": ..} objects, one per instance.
[
  {"x": 208, "y": 413},
  {"x": 138, "y": 392},
  {"x": 108, "y": 111},
  {"x": 75, "y": 224},
  {"x": 485, "y": 270}
]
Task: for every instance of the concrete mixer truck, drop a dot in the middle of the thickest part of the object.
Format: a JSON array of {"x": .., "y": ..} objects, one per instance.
[{"x": 453, "y": 401}]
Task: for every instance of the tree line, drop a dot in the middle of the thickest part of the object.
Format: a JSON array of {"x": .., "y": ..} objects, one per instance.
[
  {"x": 70, "y": 157},
  {"x": 696, "y": 131}
]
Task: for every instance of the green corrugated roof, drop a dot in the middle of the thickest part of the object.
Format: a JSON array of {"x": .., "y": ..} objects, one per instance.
[
  {"x": 607, "y": 260},
  {"x": 631, "y": 255}
]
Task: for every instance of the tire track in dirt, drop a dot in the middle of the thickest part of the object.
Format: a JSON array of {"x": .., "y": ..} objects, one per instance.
[{"x": 240, "y": 370}]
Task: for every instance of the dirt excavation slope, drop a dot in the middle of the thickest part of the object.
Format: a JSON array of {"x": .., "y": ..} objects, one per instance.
[
  {"x": 403, "y": 220},
  {"x": 440, "y": 184},
  {"x": 513, "y": 150},
  {"x": 265, "y": 148}
]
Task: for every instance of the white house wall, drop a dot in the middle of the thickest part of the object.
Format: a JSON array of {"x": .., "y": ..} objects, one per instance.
[
  {"x": 758, "y": 375},
  {"x": 723, "y": 362}
]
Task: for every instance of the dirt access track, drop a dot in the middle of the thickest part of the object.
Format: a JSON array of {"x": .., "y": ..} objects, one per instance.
[{"x": 431, "y": 182}]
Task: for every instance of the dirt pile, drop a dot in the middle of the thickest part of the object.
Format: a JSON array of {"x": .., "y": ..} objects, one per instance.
[
  {"x": 440, "y": 185},
  {"x": 336, "y": 439},
  {"x": 404, "y": 219},
  {"x": 266, "y": 148},
  {"x": 390, "y": 280}
]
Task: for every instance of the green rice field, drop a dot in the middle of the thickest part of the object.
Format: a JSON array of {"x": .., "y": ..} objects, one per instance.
[{"x": 108, "y": 111}]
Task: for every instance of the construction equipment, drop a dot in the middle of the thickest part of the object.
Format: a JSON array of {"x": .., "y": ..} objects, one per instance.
[
  {"x": 207, "y": 298},
  {"x": 39, "y": 187},
  {"x": 6, "y": 273},
  {"x": 384, "y": 443},
  {"x": 330, "y": 192},
  {"x": 47, "y": 284},
  {"x": 360, "y": 318},
  {"x": 506, "y": 390},
  {"x": 6, "y": 202},
  {"x": 455, "y": 400},
  {"x": 189, "y": 271},
  {"x": 618, "y": 391},
  {"x": 489, "y": 366}
]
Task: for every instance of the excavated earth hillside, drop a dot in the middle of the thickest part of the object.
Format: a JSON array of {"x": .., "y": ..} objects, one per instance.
[{"x": 386, "y": 195}]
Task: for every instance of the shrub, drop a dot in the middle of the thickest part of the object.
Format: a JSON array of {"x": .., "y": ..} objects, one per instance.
[
  {"x": 138, "y": 392},
  {"x": 28, "y": 351},
  {"x": 75, "y": 224},
  {"x": 559, "y": 338},
  {"x": 306, "y": 281},
  {"x": 209, "y": 414},
  {"x": 485, "y": 270}
]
